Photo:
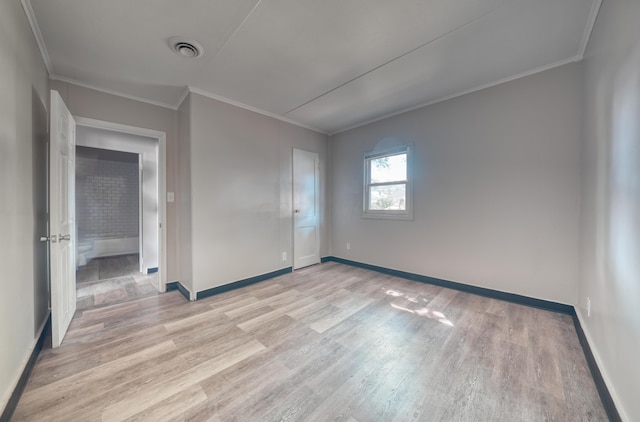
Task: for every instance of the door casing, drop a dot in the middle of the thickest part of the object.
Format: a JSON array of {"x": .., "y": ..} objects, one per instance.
[
  {"x": 306, "y": 208},
  {"x": 162, "y": 199}
]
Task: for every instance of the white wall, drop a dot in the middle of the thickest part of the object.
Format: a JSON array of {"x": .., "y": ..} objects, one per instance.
[
  {"x": 496, "y": 189},
  {"x": 85, "y": 102},
  {"x": 148, "y": 149},
  {"x": 239, "y": 166},
  {"x": 23, "y": 126},
  {"x": 610, "y": 259}
]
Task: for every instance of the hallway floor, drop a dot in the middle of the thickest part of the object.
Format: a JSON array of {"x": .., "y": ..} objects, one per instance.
[
  {"x": 108, "y": 267},
  {"x": 111, "y": 280}
]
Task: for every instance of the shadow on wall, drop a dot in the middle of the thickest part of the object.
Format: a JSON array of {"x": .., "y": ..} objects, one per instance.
[
  {"x": 40, "y": 176},
  {"x": 624, "y": 181}
]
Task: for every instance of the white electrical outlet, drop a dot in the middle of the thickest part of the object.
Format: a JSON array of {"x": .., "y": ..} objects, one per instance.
[
  {"x": 348, "y": 246},
  {"x": 588, "y": 308},
  {"x": 284, "y": 256}
]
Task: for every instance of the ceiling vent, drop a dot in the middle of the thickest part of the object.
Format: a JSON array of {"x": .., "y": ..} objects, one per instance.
[{"x": 185, "y": 47}]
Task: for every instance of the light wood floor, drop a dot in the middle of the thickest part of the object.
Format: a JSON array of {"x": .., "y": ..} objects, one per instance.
[{"x": 330, "y": 342}]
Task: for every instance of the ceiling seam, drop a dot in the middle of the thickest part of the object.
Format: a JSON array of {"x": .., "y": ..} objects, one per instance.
[
  {"x": 588, "y": 29},
  {"x": 236, "y": 30},
  {"x": 461, "y": 93},
  {"x": 226, "y": 42},
  {"x": 396, "y": 58}
]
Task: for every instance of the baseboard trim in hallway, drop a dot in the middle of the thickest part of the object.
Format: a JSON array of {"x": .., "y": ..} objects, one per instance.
[
  {"x": 7, "y": 412},
  {"x": 603, "y": 390},
  {"x": 176, "y": 285}
]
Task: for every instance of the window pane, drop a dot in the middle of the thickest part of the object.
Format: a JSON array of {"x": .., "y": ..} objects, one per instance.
[
  {"x": 392, "y": 168},
  {"x": 388, "y": 197}
]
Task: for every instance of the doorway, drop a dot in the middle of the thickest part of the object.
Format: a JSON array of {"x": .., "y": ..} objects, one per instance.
[
  {"x": 61, "y": 235},
  {"x": 108, "y": 227},
  {"x": 306, "y": 199},
  {"x": 119, "y": 213}
]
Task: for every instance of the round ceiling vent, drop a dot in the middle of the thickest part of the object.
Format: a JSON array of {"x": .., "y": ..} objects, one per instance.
[{"x": 186, "y": 47}]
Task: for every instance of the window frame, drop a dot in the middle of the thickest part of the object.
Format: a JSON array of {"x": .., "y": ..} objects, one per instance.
[{"x": 407, "y": 213}]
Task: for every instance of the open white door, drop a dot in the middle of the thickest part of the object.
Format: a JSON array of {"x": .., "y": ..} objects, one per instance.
[
  {"x": 62, "y": 153},
  {"x": 306, "y": 229}
]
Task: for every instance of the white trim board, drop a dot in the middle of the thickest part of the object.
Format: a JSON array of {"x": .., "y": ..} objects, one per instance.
[
  {"x": 33, "y": 22},
  {"x": 110, "y": 91},
  {"x": 183, "y": 97},
  {"x": 250, "y": 108},
  {"x": 591, "y": 21}
]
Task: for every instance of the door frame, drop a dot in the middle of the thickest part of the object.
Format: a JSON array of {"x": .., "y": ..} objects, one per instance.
[
  {"x": 293, "y": 207},
  {"x": 161, "y": 138}
]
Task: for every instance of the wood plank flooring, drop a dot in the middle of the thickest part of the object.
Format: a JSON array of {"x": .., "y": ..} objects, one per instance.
[{"x": 327, "y": 343}]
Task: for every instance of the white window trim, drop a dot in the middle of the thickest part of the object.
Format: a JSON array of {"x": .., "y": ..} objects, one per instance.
[{"x": 407, "y": 213}]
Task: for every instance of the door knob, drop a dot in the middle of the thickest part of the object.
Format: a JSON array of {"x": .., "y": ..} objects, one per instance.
[
  {"x": 66, "y": 237},
  {"x": 47, "y": 238},
  {"x": 297, "y": 211}
]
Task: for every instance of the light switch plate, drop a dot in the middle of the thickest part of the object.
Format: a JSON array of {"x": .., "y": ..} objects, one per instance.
[{"x": 170, "y": 197}]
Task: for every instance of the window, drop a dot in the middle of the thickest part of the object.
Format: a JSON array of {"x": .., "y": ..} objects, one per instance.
[{"x": 387, "y": 185}]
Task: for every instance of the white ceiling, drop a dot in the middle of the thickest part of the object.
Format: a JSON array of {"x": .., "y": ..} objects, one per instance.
[{"x": 325, "y": 64}]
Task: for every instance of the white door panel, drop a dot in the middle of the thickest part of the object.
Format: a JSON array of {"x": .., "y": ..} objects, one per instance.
[
  {"x": 62, "y": 217},
  {"x": 306, "y": 239}
]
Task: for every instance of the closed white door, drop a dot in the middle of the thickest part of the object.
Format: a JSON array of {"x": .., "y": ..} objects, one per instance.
[
  {"x": 306, "y": 198},
  {"x": 62, "y": 152}
]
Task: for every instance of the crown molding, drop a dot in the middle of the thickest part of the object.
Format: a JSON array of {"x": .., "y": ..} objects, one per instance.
[
  {"x": 111, "y": 91},
  {"x": 461, "y": 93},
  {"x": 183, "y": 97},
  {"x": 33, "y": 22},
  {"x": 591, "y": 21},
  {"x": 251, "y": 108},
  {"x": 28, "y": 9}
]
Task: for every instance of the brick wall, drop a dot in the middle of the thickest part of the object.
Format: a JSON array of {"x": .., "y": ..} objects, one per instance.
[{"x": 107, "y": 198}]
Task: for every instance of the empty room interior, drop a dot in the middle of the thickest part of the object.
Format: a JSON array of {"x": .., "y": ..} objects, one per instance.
[{"x": 335, "y": 210}]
